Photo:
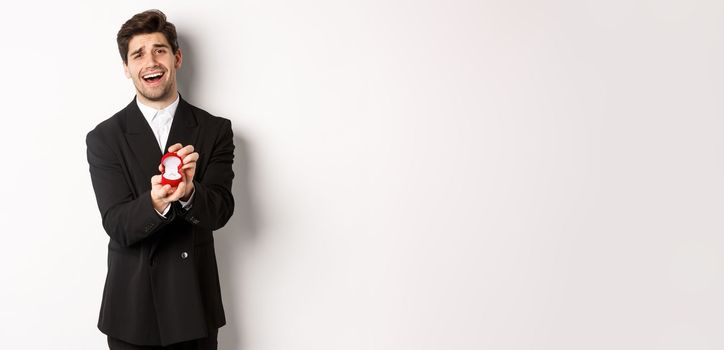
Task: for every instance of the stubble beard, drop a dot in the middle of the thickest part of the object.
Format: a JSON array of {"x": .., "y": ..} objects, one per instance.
[{"x": 155, "y": 94}]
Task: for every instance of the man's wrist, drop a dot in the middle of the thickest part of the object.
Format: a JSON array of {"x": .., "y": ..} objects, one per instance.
[
  {"x": 189, "y": 192},
  {"x": 159, "y": 205}
]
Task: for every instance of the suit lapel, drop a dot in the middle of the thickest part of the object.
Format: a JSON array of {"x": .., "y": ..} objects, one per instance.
[
  {"x": 183, "y": 128},
  {"x": 142, "y": 141}
]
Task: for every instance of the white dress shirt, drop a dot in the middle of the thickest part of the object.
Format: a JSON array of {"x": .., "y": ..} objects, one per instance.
[{"x": 160, "y": 122}]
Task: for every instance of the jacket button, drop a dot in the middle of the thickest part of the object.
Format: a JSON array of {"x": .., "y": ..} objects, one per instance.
[{"x": 184, "y": 255}]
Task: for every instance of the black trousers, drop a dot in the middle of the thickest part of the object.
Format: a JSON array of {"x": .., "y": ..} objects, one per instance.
[{"x": 209, "y": 343}]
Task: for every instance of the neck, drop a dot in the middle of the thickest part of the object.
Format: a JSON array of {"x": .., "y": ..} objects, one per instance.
[{"x": 158, "y": 104}]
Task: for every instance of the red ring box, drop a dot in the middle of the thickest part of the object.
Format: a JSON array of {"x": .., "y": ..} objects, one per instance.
[{"x": 171, "y": 165}]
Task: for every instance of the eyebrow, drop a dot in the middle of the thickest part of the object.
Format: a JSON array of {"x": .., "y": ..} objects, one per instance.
[
  {"x": 137, "y": 51},
  {"x": 140, "y": 49}
]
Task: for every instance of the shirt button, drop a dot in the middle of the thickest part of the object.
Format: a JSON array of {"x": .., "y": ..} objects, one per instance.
[{"x": 184, "y": 255}]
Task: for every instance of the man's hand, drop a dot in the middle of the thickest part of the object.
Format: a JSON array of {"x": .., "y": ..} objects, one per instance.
[
  {"x": 163, "y": 195},
  {"x": 189, "y": 169}
]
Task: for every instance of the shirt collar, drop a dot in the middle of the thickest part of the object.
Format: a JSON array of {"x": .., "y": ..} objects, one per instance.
[{"x": 150, "y": 112}]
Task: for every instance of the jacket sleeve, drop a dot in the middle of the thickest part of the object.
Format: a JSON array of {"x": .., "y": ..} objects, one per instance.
[
  {"x": 126, "y": 219},
  {"x": 213, "y": 202}
]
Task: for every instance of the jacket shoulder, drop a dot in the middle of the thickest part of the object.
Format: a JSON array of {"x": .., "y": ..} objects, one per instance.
[
  {"x": 205, "y": 117},
  {"x": 108, "y": 128}
]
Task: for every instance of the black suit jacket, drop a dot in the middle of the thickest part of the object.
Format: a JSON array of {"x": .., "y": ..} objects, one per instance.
[{"x": 162, "y": 285}]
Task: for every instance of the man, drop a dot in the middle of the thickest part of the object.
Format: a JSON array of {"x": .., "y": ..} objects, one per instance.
[{"x": 162, "y": 288}]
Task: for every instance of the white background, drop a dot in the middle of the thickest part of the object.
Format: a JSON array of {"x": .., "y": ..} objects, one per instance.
[{"x": 410, "y": 174}]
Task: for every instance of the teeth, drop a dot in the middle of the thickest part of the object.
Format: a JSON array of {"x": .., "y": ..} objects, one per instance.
[{"x": 152, "y": 75}]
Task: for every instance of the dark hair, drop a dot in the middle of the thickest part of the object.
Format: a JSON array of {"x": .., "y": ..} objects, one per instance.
[{"x": 146, "y": 22}]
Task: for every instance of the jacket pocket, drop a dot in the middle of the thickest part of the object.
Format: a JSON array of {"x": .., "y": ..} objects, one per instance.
[{"x": 125, "y": 251}]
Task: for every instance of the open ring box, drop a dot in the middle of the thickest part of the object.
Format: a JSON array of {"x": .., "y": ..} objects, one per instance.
[{"x": 171, "y": 165}]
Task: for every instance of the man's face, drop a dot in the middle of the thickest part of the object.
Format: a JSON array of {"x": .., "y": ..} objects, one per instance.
[{"x": 152, "y": 65}]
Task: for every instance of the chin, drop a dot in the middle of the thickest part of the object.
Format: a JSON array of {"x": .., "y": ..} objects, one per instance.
[{"x": 155, "y": 96}]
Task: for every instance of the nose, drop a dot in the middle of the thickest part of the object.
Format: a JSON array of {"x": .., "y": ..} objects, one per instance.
[{"x": 150, "y": 61}]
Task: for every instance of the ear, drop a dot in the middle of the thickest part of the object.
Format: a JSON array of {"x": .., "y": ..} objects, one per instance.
[
  {"x": 125, "y": 70},
  {"x": 179, "y": 58}
]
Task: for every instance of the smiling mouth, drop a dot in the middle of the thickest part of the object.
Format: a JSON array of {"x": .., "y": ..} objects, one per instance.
[{"x": 152, "y": 77}]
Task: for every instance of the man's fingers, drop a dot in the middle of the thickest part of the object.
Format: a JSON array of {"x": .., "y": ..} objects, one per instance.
[
  {"x": 193, "y": 157},
  {"x": 169, "y": 194},
  {"x": 185, "y": 151},
  {"x": 160, "y": 192},
  {"x": 177, "y": 193},
  {"x": 166, "y": 192},
  {"x": 182, "y": 151}
]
